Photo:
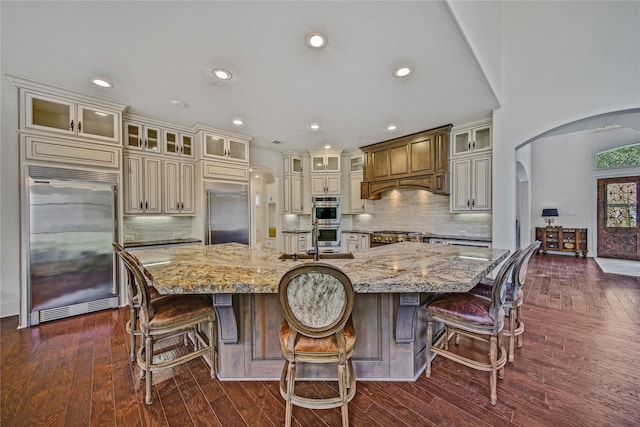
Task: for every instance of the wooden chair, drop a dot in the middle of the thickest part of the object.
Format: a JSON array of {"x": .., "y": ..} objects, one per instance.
[
  {"x": 475, "y": 317},
  {"x": 167, "y": 317},
  {"x": 134, "y": 304},
  {"x": 317, "y": 300},
  {"x": 514, "y": 299}
]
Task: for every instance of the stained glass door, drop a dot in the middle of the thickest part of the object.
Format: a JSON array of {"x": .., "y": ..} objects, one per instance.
[{"x": 618, "y": 228}]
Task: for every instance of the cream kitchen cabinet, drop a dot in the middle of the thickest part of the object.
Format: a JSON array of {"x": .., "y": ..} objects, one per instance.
[
  {"x": 325, "y": 173},
  {"x": 472, "y": 138},
  {"x": 179, "y": 187},
  {"x": 293, "y": 194},
  {"x": 296, "y": 242},
  {"x": 49, "y": 110},
  {"x": 325, "y": 162},
  {"x": 355, "y": 242},
  {"x": 225, "y": 147},
  {"x": 471, "y": 184},
  {"x": 178, "y": 144},
  {"x": 322, "y": 184},
  {"x": 293, "y": 183},
  {"x": 142, "y": 137},
  {"x": 355, "y": 204},
  {"x": 142, "y": 185}
]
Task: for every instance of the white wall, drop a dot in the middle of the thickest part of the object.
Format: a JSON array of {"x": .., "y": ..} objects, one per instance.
[
  {"x": 561, "y": 61},
  {"x": 9, "y": 204},
  {"x": 563, "y": 176}
]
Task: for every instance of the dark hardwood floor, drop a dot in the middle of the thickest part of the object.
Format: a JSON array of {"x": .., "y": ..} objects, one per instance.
[{"x": 580, "y": 366}]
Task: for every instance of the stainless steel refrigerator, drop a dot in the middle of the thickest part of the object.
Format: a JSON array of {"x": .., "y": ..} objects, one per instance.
[
  {"x": 227, "y": 218},
  {"x": 72, "y": 221}
]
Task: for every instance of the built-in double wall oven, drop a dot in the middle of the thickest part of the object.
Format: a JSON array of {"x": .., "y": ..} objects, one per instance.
[{"x": 326, "y": 217}]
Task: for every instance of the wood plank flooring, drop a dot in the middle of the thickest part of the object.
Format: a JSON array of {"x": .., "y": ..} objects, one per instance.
[{"x": 580, "y": 366}]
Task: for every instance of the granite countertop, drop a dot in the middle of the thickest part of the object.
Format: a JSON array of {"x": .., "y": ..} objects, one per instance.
[
  {"x": 399, "y": 268},
  {"x": 147, "y": 243}
]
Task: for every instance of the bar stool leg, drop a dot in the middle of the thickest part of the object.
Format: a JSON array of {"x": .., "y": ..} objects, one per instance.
[{"x": 427, "y": 369}]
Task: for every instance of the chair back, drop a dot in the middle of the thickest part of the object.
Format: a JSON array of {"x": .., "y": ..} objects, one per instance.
[
  {"x": 139, "y": 285},
  {"x": 499, "y": 290},
  {"x": 520, "y": 269},
  {"x": 316, "y": 299},
  {"x": 131, "y": 286}
]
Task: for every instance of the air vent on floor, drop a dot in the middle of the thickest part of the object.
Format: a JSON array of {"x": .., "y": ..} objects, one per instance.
[{"x": 75, "y": 309}]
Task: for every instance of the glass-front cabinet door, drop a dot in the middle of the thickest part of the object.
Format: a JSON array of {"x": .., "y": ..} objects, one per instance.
[
  {"x": 226, "y": 148},
  {"x": 325, "y": 163},
  {"x": 50, "y": 114},
  {"x": 141, "y": 137},
  {"x": 58, "y": 115},
  {"x": 237, "y": 150},
  {"x": 98, "y": 123},
  {"x": 178, "y": 144},
  {"x": 214, "y": 146},
  {"x": 472, "y": 140}
]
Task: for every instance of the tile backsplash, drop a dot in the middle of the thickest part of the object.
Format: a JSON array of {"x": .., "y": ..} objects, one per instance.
[
  {"x": 149, "y": 228},
  {"x": 422, "y": 211}
]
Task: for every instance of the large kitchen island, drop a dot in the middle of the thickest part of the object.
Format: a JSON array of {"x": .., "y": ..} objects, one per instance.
[{"x": 392, "y": 284}]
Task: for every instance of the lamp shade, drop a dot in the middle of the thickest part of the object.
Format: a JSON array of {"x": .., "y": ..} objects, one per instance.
[{"x": 549, "y": 212}]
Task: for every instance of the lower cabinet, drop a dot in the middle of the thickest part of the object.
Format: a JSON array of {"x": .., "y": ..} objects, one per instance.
[
  {"x": 296, "y": 242},
  {"x": 355, "y": 242},
  {"x": 179, "y": 187}
]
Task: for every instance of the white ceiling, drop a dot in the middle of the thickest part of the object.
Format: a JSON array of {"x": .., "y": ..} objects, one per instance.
[{"x": 157, "y": 52}]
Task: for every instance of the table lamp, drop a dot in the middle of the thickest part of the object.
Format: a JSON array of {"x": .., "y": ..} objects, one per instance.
[{"x": 549, "y": 214}]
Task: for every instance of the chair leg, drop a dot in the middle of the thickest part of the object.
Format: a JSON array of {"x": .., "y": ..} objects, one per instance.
[
  {"x": 291, "y": 379},
  {"x": 500, "y": 353},
  {"x": 493, "y": 347},
  {"x": 342, "y": 385},
  {"x": 212, "y": 354},
  {"x": 148, "y": 356},
  {"x": 512, "y": 332},
  {"x": 427, "y": 369},
  {"x": 520, "y": 324},
  {"x": 133, "y": 328}
]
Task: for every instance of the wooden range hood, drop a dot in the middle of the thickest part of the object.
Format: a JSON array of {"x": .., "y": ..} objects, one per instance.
[{"x": 418, "y": 161}]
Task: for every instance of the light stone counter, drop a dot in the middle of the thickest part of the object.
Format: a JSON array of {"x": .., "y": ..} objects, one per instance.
[
  {"x": 404, "y": 267},
  {"x": 392, "y": 284}
]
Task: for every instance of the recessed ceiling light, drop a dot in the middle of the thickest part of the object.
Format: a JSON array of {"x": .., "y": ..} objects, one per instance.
[
  {"x": 178, "y": 104},
  {"x": 392, "y": 127},
  {"x": 238, "y": 122},
  {"x": 314, "y": 126},
  {"x": 327, "y": 146},
  {"x": 221, "y": 74},
  {"x": 402, "y": 71},
  {"x": 316, "y": 40},
  {"x": 101, "y": 83}
]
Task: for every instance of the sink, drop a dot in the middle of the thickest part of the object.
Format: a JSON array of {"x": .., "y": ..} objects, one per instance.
[{"x": 322, "y": 256}]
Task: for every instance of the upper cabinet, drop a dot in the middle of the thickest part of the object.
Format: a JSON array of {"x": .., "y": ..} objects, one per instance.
[
  {"x": 222, "y": 147},
  {"x": 325, "y": 162},
  {"x": 325, "y": 173},
  {"x": 142, "y": 137},
  {"x": 49, "y": 110},
  {"x": 355, "y": 204},
  {"x": 417, "y": 161},
  {"x": 178, "y": 143},
  {"x": 471, "y": 159},
  {"x": 293, "y": 183},
  {"x": 472, "y": 138}
]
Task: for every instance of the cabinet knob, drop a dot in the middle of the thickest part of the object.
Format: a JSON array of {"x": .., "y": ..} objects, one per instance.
[
  {"x": 146, "y": 205},
  {"x": 79, "y": 126},
  {"x": 140, "y": 205},
  {"x": 71, "y": 125}
]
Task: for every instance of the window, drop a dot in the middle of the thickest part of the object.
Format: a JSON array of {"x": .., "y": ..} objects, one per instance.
[
  {"x": 621, "y": 204},
  {"x": 628, "y": 155}
]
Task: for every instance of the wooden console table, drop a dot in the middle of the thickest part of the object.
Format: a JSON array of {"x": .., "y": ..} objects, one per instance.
[{"x": 562, "y": 239}]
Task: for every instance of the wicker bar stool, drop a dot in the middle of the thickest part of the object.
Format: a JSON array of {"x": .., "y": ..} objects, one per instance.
[{"x": 317, "y": 300}]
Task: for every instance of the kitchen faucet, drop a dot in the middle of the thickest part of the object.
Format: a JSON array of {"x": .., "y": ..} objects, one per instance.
[{"x": 315, "y": 232}]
